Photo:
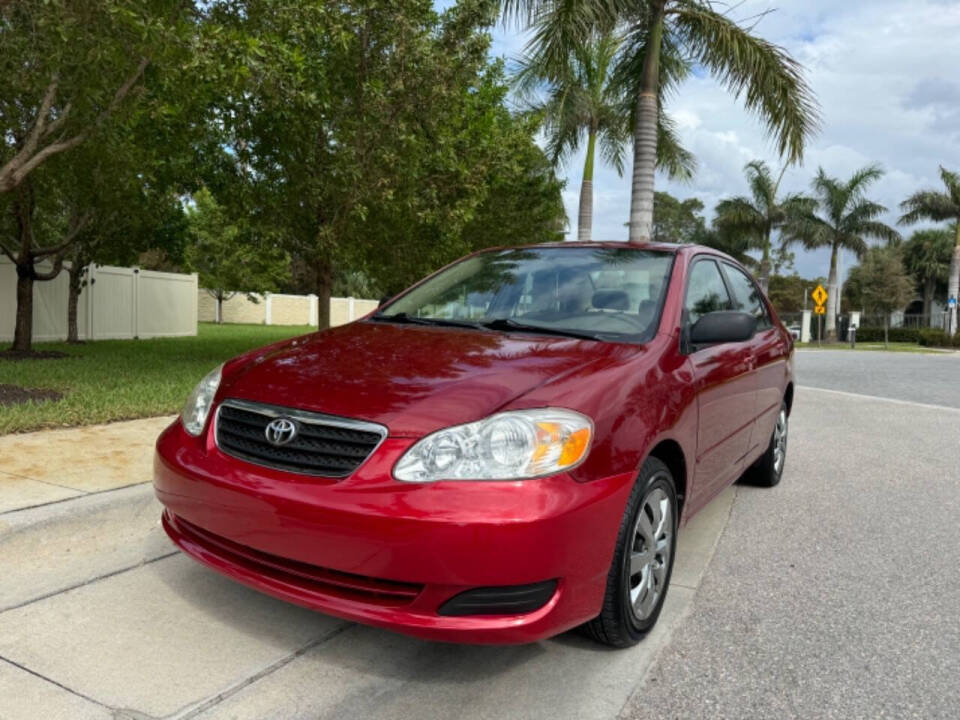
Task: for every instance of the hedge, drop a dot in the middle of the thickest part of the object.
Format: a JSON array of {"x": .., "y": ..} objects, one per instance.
[
  {"x": 938, "y": 338},
  {"x": 897, "y": 334}
]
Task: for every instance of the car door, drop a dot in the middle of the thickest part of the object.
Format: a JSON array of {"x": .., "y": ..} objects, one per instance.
[
  {"x": 723, "y": 374},
  {"x": 769, "y": 351}
]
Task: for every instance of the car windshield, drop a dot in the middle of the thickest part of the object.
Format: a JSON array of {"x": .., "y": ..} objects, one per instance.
[{"x": 602, "y": 293}]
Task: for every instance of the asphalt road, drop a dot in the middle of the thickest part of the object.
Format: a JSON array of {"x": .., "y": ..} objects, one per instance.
[
  {"x": 836, "y": 594},
  {"x": 928, "y": 378}
]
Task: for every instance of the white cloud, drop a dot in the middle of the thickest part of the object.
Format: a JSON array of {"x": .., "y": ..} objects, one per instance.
[{"x": 885, "y": 75}]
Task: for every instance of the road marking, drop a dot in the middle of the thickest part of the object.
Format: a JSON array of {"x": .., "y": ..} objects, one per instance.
[{"x": 883, "y": 399}]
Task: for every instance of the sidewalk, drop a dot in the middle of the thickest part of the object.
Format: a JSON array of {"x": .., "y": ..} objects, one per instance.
[{"x": 52, "y": 465}]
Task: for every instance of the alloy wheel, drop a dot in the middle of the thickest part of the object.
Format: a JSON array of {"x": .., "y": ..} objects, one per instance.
[
  {"x": 650, "y": 549},
  {"x": 780, "y": 441}
]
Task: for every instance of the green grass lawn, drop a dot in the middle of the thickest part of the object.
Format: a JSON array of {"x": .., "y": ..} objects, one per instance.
[
  {"x": 124, "y": 379},
  {"x": 894, "y": 347}
]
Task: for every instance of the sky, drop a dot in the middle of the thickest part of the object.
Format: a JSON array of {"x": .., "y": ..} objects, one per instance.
[{"x": 885, "y": 74}]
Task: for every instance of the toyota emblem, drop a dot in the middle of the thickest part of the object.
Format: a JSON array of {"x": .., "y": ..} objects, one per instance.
[{"x": 280, "y": 431}]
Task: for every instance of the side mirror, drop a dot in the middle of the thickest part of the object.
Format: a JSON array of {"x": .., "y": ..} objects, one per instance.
[
  {"x": 383, "y": 301},
  {"x": 723, "y": 327}
]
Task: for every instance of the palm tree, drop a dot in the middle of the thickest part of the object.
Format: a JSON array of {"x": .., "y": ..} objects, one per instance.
[
  {"x": 663, "y": 32},
  {"x": 927, "y": 257},
  {"x": 756, "y": 217},
  {"x": 582, "y": 99},
  {"x": 843, "y": 219},
  {"x": 940, "y": 206}
]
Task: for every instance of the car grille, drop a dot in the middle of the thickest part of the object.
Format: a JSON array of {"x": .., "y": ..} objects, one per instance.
[{"x": 323, "y": 445}]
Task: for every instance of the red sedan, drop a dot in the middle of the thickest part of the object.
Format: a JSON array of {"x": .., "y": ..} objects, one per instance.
[{"x": 501, "y": 453}]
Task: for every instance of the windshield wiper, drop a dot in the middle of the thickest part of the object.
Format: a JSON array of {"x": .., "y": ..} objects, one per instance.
[
  {"x": 508, "y": 324},
  {"x": 408, "y": 319}
]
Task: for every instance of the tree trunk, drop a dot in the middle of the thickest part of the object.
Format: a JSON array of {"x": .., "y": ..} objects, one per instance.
[
  {"x": 929, "y": 289},
  {"x": 953, "y": 286},
  {"x": 73, "y": 300},
  {"x": 645, "y": 133},
  {"x": 585, "y": 215},
  {"x": 219, "y": 317},
  {"x": 831, "y": 329},
  {"x": 23, "y": 332},
  {"x": 324, "y": 269},
  {"x": 764, "y": 278}
]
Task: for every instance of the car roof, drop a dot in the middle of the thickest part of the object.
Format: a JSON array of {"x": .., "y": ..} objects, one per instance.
[{"x": 687, "y": 249}]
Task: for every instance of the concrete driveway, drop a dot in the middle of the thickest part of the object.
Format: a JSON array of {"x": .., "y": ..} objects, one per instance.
[
  {"x": 835, "y": 594},
  {"x": 100, "y": 617}
]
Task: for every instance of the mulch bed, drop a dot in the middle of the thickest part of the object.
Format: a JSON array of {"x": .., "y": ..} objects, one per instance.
[
  {"x": 16, "y": 395},
  {"x": 32, "y": 355}
]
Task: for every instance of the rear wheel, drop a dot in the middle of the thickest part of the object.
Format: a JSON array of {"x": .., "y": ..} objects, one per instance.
[
  {"x": 643, "y": 561},
  {"x": 768, "y": 469}
]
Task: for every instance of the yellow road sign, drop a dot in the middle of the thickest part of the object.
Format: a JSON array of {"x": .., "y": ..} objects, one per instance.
[
  {"x": 819, "y": 296},
  {"x": 820, "y": 310}
]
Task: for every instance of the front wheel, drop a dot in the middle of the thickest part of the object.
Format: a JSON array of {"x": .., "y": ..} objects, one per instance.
[{"x": 640, "y": 573}]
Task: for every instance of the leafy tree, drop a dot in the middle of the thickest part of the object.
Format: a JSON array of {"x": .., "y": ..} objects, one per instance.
[
  {"x": 759, "y": 215},
  {"x": 883, "y": 282},
  {"x": 362, "y": 130},
  {"x": 73, "y": 75},
  {"x": 939, "y": 206},
  {"x": 679, "y": 221},
  {"x": 584, "y": 99},
  {"x": 69, "y": 67},
  {"x": 843, "y": 219},
  {"x": 927, "y": 257},
  {"x": 228, "y": 256},
  {"x": 671, "y": 34}
]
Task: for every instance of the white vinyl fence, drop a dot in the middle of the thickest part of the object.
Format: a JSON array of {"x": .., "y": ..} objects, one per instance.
[
  {"x": 116, "y": 303},
  {"x": 279, "y": 309}
]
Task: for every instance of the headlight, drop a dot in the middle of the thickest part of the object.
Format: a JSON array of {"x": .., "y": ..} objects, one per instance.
[
  {"x": 197, "y": 407},
  {"x": 508, "y": 446}
]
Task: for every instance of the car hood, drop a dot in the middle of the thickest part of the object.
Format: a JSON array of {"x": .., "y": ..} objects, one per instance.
[{"x": 413, "y": 379}]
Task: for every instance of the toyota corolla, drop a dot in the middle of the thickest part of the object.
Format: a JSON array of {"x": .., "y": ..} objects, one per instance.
[{"x": 503, "y": 452}]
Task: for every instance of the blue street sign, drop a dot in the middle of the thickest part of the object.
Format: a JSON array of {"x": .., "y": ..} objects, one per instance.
[{"x": 953, "y": 302}]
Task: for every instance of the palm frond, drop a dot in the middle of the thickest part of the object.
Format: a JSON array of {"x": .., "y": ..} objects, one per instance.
[
  {"x": 879, "y": 230},
  {"x": 928, "y": 205},
  {"x": 771, "y": 82},
  {"x": 952, "y": 182},
  {"x": 739, "y": 214},
  {"x": 672, "y": 158}
]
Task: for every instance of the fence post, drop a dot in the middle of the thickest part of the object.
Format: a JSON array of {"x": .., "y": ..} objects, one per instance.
[
  {"x": 91, "y": 281},
  {"x": 351, "y": 309},
  {"x": 268, "y": 310},
  {"x": 135, "y": 324},
  {"x": 805, "y": 335},
  {"x": 314, "y": 309}
]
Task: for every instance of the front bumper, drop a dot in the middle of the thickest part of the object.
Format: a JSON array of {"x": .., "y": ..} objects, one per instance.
[{"x": 385, "y": 553}]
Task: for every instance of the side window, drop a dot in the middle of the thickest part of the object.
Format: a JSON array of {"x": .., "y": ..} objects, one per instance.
[
  {"x": 747, "y": 297},
  {"x": 706, "y": 291}
]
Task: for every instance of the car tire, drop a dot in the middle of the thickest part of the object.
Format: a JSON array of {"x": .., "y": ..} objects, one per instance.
[
  {"x": 642, "y": 562},
  {"x": 768, "y": 469}
]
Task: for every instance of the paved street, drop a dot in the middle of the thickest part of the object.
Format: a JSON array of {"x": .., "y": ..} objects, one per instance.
[
  {"x": 836, "y": 593},
  {"x": 832, "y": 595},
  {"x": 933, "y": 379}
]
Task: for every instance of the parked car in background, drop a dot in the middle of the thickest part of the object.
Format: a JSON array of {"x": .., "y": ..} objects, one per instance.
[
  {"x": 501, "y": 453},
  {"x": 794, "y": 331}
]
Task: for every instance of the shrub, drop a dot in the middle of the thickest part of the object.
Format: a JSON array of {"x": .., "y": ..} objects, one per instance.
[
  {"x": 938, "y": 338},
  {"x": 899, "y": 334}
]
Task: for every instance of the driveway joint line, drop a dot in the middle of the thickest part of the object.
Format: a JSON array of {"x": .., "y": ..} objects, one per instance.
[
  {"x": 81, "y": 494},
  {"x": 58, "y": 684},
  {"x": 269, "y": 670},
  {"x": 106, "y": 576},
  {"x": 860, "y": 396}
]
